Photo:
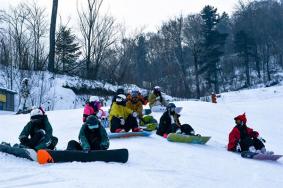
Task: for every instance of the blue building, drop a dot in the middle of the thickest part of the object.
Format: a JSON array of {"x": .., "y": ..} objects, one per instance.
[{"x": 7, "y": 99}]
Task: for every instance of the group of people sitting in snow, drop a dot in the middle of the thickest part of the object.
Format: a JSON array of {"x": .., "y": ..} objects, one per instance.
[{"x": 126, "y": 114}]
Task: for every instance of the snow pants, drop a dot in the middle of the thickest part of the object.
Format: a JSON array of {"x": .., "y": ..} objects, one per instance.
[
  {"x": 74, "y": 145},
  {"x": 248, "y": 142},
  {"x": 130, "y": 123}
]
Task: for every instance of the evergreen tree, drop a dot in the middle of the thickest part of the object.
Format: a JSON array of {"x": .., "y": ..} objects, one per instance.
[
  {"x": 67, "y": 50},
  {"x": 212, "y": 46},
  {"x": 244, "y": 46},
  {"x": 141, "y": 59}
]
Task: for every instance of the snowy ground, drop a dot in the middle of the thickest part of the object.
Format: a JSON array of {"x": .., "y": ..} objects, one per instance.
[{"x": 155, "y": 162}]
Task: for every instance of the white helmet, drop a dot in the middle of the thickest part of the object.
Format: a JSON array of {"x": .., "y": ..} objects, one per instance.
[
  {"x": 93, "y": 98},
  {"x": 121, "y": 98},
  {"x": 36, "y": 112},
  {"x": 156, "y": 88}
]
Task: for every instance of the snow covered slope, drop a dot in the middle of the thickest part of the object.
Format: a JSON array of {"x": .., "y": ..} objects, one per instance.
[{"x": 155, "y": 162}]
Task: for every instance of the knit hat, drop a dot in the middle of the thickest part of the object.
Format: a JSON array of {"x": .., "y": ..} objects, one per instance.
[
  {"x": 92, "y": 122},
  {"x": 241, "y": 118}
]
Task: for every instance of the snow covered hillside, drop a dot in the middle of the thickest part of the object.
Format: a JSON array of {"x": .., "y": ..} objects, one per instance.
[{"x": 155, "y": 162}]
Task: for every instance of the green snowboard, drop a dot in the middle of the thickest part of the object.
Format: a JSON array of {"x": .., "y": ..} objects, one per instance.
[
  {"x": 174, "y": 137},
  {"x": 150, "y": 127}
]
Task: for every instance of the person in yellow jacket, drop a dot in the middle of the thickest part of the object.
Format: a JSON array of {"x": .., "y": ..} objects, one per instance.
[
  {"x": 134, "y": 103},
  {"x": 155, "y": 98},
  {"x": 122, "y": 119}
]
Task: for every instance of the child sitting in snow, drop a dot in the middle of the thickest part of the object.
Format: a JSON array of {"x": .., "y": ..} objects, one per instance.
[
  {"x": 121, "y": 117},
  {"x": 92, "y": 136},
  {"x": 37, "y": 134},
  {"x": 93, "y": 107},
  {"x": 169, "y": 123},
  {"x": 243, "y": 138}
]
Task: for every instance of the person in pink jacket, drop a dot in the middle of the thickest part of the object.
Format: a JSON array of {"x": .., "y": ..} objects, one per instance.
[{"x": 93, "y": 107}]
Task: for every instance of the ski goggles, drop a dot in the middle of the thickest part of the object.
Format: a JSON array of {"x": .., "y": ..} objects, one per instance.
[
  {"x": 119, "y": 100},
  {"x": 92, "y": 126}
]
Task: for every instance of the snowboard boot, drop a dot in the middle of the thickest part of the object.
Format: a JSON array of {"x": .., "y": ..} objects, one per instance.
[
  {"x": 137, "y": 129},
  {"x": 6, "y": 144},
  {"x": 119, "y": 131},
  {"x": 263, "y": 151}
]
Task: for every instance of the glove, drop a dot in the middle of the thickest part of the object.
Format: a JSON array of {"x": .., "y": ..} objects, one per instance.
[
  {"x": 252, "y": 149},
  {"x": 135, "y": 114},
  {"x": 261, "y": 139},
  {"x": 122, "y": 121},
  {"x": 238, "y": 148},
  {"x": 165, "y": 135},
  {"x": 25, "y": 141},
  {"x": 103, "y": 146},
  {"x": 99, "y": 114}
]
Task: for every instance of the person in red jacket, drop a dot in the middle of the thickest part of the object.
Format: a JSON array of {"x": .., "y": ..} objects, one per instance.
[{"x": 243, "y": 138}]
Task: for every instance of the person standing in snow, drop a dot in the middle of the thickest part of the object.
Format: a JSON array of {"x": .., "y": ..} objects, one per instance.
[
  {"x": 92, "y": 136},
  {"x": 169, "y": 123},
  {"x": 121, "y": 117},
  {"x": 25, "y": 95},
  {"x": 156, "y": 98},
  {"x": 37, "y": 134},
  {"x": 93, "y": 107},
  {"x": 243, "y": 138}
]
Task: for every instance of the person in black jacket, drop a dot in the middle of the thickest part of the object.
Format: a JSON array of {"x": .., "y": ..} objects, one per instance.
[
  {"x": 37, "y": 134},
  {"x": 169, "y": 123}
]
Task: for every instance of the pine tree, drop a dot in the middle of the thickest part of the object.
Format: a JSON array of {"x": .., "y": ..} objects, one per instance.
[
  {"x": 67, "y": 50},
  {"x": 244, "y": 46},
  {"x": 212, "y": 46}
]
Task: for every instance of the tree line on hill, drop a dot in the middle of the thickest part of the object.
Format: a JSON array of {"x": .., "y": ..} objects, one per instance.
[{"x": 188, "y": 56}]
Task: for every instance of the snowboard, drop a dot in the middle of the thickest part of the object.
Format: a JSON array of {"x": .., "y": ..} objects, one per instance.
[
  {"x": 175, "y": 137},
  {"x": 128, "y": 134},
  {"x": 163, "y": 109},
  {"x": 61, "y": 156},
  {"x": 150, "y": 126},
  {"x": 25, "y": 153},
  {"x": 260, "y": 156}
]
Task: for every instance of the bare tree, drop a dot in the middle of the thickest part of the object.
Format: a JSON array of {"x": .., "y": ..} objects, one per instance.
[
  {"x": 193, "y": 38},
  {"x": 98, "y": 35},
  {"x": 37, "y": 26}
]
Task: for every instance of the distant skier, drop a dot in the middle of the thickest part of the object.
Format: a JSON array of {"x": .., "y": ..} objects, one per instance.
[
  {"x": 37, "y": 134},
  {"x": 25, "y": 96},
  {"x": 243, "y": 138},
  {"x": 121, "y": 117},
  {"x": 92, "y": 136},
  {"x": 169, "y": 123},
  {"x": 156, "y": 98},
  {"x": 93, "y": 107}
]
